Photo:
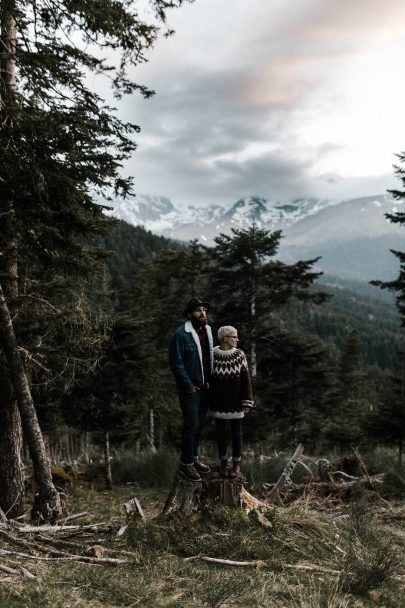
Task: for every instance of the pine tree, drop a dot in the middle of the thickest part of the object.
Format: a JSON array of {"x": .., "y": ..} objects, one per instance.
[
  {"x": 398, "y": 285},
  {"x": 247, "y": 284},
  {"x": 293, "y": 386},
  {"x": 61, "y": 148},
  {"x": 353, "y": 400},
  {"x": 166, "y": 282},
  {"x": 388, "y": 420}
]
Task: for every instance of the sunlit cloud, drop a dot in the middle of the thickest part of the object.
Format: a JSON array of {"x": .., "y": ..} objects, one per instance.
[{"x": 276, "y": 98}]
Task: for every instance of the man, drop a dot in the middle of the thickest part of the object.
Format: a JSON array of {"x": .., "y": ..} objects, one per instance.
[{"x": 190, "y": 356}]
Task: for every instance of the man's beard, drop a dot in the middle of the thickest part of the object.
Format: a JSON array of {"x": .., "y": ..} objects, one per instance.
[{"x": 199, "y": 322}]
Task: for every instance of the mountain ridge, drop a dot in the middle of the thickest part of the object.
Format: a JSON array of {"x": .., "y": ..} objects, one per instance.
[{"x": 311, "y": 227}]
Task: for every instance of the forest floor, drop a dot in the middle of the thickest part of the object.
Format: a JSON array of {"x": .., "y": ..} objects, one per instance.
[{"x": 350, "y": 556}]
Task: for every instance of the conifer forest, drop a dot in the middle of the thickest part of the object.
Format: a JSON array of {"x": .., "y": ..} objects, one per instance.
[{"x": 89, "y": 412}]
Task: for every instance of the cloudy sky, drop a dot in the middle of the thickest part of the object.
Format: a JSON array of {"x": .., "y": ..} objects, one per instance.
[{"x": 276, "y": 98}]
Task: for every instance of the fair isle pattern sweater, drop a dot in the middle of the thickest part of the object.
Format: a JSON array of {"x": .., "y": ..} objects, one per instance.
[{"x": 231, "y": 388}]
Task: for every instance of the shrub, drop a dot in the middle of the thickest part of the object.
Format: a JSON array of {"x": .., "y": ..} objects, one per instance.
[{"x": 61, "y": 477}]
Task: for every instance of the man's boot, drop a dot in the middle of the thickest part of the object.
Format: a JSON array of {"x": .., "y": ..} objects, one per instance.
[
  {"x": 189, "y": 472},
  {"x": 201, "y": 468}
]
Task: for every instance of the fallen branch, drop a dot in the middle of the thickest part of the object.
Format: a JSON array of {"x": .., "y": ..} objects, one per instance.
[
  {"x": 225, "y": 562},
  {"x": 8, "y": 570},
  {"x": 27, "y": 529},
  {"x": 76, "y": 558},
  {"x": 362, "y": 465},
  {"x": 312, "y": 568},
  {"x": 285, "y": 476},
  {"x": 74, "y": 516},
  {"x": 27, "y": 573},
  {"x": 258, "y": 563},
  {"x": 19, "y": 571}
]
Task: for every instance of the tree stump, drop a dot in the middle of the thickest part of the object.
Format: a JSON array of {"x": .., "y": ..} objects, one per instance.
[
  {"x": 226, "y": 491},
  {"x": 132, "y": 510},
  {"x": 184, "y": 497}
]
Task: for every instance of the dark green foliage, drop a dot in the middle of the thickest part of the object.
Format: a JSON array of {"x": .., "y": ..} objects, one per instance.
[
  {"x": 296, "y": 391},
  {"x": 61, "y": 152},
  {"x": 294, "y": 384},
  {"x": 125, "y": 246},
  {"x": 397, "y": 285},
  {"x": 351, "y": 307},
  {"x": 353, "y": 398},
  {"x": 163, "y": 284},
  {"x": 247, "y": 284},
  {"x": 388, "y": 419}
]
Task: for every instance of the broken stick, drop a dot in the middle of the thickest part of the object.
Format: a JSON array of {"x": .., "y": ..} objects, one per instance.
[{"x": 285, "y": 475}]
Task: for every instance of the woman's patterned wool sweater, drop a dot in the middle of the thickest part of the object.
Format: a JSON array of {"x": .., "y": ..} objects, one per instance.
[{"x": 231, "y": 387}]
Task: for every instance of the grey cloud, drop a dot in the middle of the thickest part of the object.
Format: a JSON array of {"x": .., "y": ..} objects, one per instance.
[
  {"x": 198, "y": 120},
  {"x": 269, "y": 174},
  {"x": 204, "y": 116}
]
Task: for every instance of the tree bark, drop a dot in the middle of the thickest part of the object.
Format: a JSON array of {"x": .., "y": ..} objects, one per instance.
[
  {"x": 107, "y": 461},
  {"x": 47, "y": 506},
  {"x": 184, "y": 497},
  {"x": 11, "y": 465}
]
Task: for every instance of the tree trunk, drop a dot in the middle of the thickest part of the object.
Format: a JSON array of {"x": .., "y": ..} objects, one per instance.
[
  {"x": 47, "y": 506},
  {"x": 107, "y": 461},
  {"x": 151, "y": 435},
  {"x": 253, "y": 363},
  {"x": 152, "y": 429},
  {"x": 8, "y": 42},
  {"x": 11, "y": 465}
]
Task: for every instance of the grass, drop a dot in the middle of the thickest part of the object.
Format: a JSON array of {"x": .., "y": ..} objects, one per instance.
[
  {"x": 146, "y": 469},
  {"x": 349, "y": 559}
]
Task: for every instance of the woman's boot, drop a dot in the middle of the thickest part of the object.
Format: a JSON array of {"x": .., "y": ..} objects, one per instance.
[{"x": 235, "y": 470}]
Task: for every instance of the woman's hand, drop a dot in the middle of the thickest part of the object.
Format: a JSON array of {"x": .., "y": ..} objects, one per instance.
[{"x": 246, "y": 410}]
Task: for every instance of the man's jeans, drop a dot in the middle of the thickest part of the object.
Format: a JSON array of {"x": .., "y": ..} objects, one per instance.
[{"x": 194, "y": 407}]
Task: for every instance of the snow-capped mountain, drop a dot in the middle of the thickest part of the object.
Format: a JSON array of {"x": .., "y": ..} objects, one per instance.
[
  {"x": 352, "y": 237},
  {"x": 159, "y": 215},
  {"x": 303, "y": 221}
]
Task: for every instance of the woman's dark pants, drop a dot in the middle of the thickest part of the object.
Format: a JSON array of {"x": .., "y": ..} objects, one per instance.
[
  {"x": 236, "y": 434},
  {"x": 194, "y": 407}
]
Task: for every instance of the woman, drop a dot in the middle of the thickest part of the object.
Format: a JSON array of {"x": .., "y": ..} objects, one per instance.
[{"x": 231, "y": 396}]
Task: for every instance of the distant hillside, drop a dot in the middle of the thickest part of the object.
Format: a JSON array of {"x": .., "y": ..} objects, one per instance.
[
  {"x": 363, "y": 259},
  {"x": 354, "y": 305},
  {"x": 125, "y": 245}
]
